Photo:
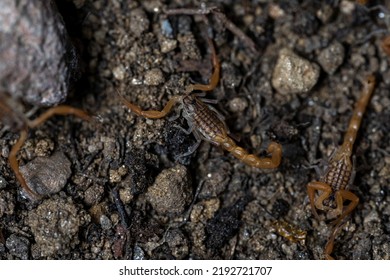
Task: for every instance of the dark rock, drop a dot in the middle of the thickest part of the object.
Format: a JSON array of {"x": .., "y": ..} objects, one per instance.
[{"x": 37, "y": 59}]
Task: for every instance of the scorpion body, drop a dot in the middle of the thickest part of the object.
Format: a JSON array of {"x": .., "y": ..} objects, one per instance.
[
  {"x": 339, "y": 173},
  {"x": 210, "y": 127}
]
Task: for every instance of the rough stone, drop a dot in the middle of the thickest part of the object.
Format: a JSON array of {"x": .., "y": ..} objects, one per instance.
[
  {"x": 294, "y": 74},
  {"x": 18, "y": 246},
  {"x": 331, "y": 57},
  {"x": 47, "y": 175},
  {"x": 154, "y": 77},
  {"x": 171, "y": 192},
  {"x": 55, "y": 224},
  {"x": 37, "y": 59}
]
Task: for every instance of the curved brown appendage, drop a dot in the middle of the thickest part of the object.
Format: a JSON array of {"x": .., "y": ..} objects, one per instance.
[
  {"x": 357, "y": 115},
  {"x": 330, "y": 243},
  {"x": 151, "y": 114},
  {"x": 214, "y": 80},
  {"x": 59, "y": 110},
  {"x": 341, "y": 196},
  {"x": 329, "y": 247},
  {"x": 274, "y": 149},
  {"x": 314, "y": 186},
  {"x": 15, "y": 165}
]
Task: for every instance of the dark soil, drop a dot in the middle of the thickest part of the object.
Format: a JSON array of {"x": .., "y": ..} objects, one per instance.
[{"x": 131, "y": 196}]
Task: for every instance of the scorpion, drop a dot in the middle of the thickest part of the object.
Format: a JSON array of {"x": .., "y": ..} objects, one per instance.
[
  {"x": 339, "y": 173},
  {"x": 207, "y": 124},
  {"x": 18, "y": 121}
]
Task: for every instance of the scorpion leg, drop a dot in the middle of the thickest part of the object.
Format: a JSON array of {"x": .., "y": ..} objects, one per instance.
[
  {"x": 194, "y": 147},
  {"x": 151, "y": 114},
  {"x": 59, "y": 110},
  {"x": 317, "y": 204},
  {"x": 330, "y": 244},
  {"x": 191, "y": 149},
  {"x": 214, "y": 77},
  {"x": 15, "y": 165},
  {"x": 186, "y": 131},
  {"x": 341, "y": 196}
]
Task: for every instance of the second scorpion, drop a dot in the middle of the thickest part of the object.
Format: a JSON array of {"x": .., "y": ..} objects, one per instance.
[{"x": 333, "y": 184}]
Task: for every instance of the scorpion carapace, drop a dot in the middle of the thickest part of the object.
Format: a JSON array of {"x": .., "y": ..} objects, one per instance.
[
  {"x": 338, "y": 175},
  {"x": 206, "y": 123}
]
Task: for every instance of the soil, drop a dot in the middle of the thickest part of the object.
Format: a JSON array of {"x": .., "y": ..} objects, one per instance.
[{"x": 129, "y": 194}]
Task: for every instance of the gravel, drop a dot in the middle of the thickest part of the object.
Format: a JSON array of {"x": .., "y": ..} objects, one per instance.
[{"x": 129, "y": 194}]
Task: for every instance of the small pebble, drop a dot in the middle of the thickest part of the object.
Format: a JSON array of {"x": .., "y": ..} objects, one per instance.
[
  {"x": 119, "y": 72},
  {"x": 166, "y": 28},
  {"x": 138, "y": 253},
  {"x": 178, "y": 243},
  {"x": 238, "y": 104},
  {"x": 125, "y": 195},
  {"x": 167, "y": 45},
  {"x": 205, "y": 210},
  {"x": 55, "y": 224},
  {"x": 47, "y": 175},
  {"x": 44, "y": 147},
  {"x": 231, "y": 77},
  {"x": 325, "y": 13},
  {"x": 171, "y": 192},
  {"x": 331, "y": 57},
  {"x": 114, "y": 176},
  {"x": 294, "y": 74},
  {"x": 275, "y": 11},
  {"x": 93, "y": 194},
  {"x": 117, "y": 174},
  {"x": 18, "y": 246},
  {"x": 372, "y": 217},
  {"x": 105, "y": 222},
  {"x": 154, "y": 77},
  {"x": 3, "y": 182},
  {"x": 347, "y": 7},
  {"x": 139, "y": 22}
]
